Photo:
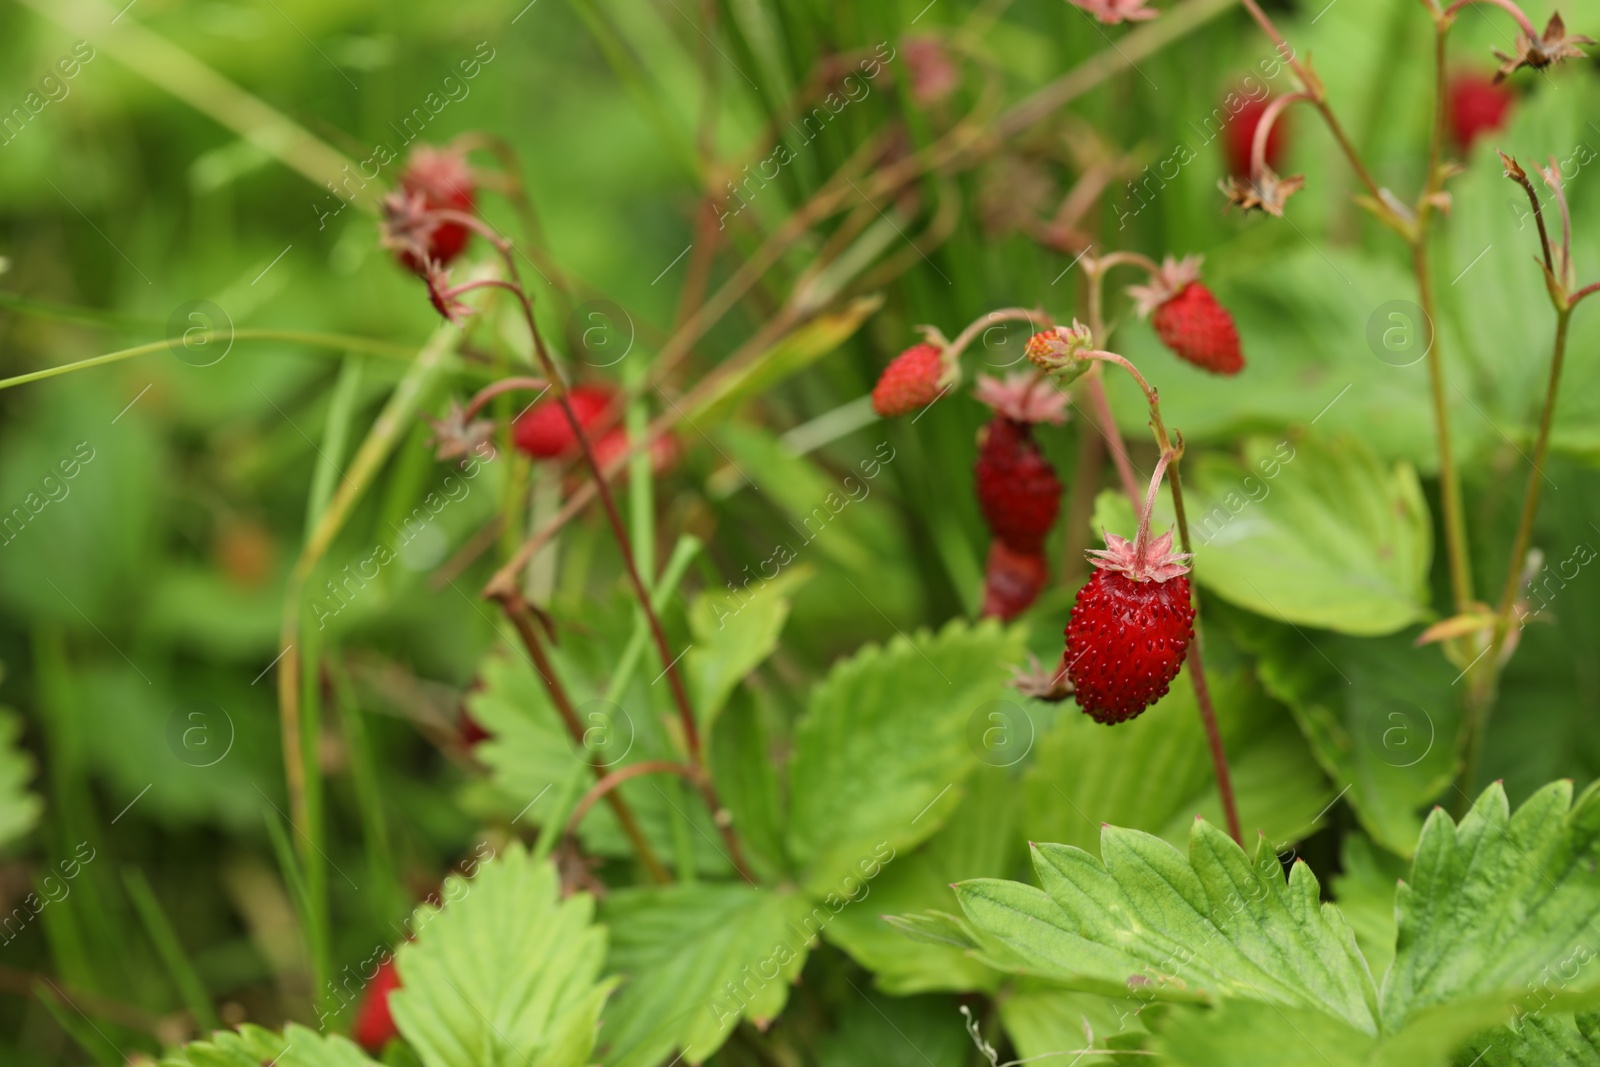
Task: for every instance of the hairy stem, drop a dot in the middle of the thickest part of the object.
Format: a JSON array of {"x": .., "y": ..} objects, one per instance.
[
  {"x": 521, "y": 617},
  {"x": 1455, "y": 526}
]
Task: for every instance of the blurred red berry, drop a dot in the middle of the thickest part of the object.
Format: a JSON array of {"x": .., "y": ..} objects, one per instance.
[
  {"x": 910, "y": 381},
  {"x": 1130, "y": 629},
  {"x": 1018, "y": 490},
  {"x": 1240, "y": 136},
  {"x": 471, "y": 730},
  {"x": 374, "y": 1026},
  {"x": 1188, "y": 318},
  {"x": 1475, "y": 105},
  {"x": 442, "y": 180},
  {"x": 612, "y": 444},
  {"x": 543, "y": 431},
  {"x": 1011, "y": 581}
]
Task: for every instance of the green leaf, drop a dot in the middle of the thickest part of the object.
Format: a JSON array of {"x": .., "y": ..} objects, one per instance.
[
  {"x": 1155, "y": 772},
  {"x": 1380, "y": 714},
  {"x": 1498, "y": 915},
  {"x": 882, "y": 747},
  {"x": 1500, "y": 905},
  {"x": 1310, "y": 532},
  {"x": 733, "y": 634},
  {"x": 1537, "y": 1041},
  {"x": 694, "y": 959},
  {"x": 251, "y": 1046},
  {"x": 1210, "y": 926},
  {"x": 1042, "y": 1020},
  {"x": 980, "y": 840},
  {"x": 1364, "y": 889},
  {"x": 19, "y": 809},
  {"x": 506, "y": 973}
]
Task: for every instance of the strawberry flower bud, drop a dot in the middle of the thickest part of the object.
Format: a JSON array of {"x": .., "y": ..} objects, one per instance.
[{"x": 1059, "y": 351}]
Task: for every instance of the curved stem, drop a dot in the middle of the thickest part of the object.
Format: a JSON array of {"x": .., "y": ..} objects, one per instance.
[
  {"x": 1269, "y": 118},
  {"x": 1318, "y": 96},
  {"x": 1455, "y": 527},
  {"x": 1520, "y": 176},
  {"x": 1095, "y": 386},
  {"x": 504, "y": 385},
  {"x": 1581, "y": 293},
  {"x": 983, "y": 322},
  {"x": 1099, "y": 267},
  {"x": 610, "y": 781},
  {"x": 1505, "y": 5}
]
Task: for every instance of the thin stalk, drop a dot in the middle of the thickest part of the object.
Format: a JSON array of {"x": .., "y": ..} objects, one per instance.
[
  {"x": 1481, "y": 704},
  {"x": 611, "y": 781},
  {"x": 337, "y": 342},
  {"x": 1506, "y": 5},
  {"x": 1093, "y": 384},
  {"x": 1197, "y": 671},
  {"x": 521, "y": 617},
  {"x": 1171, "y": 455},
  {"x": 1455, "y": 525}
]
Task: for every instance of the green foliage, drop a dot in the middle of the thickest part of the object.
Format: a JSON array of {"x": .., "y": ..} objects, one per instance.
[
  {"x": 19, "y": 809},
  {"x": 1267, "y": 957},
  {"x": 251, "y": 1046},
  {"x": 694, "y": 960},
  {"x": 1309, "y": 532},
  {"x": 882, "y": 746},
  {"x": 504, "y": 973}
]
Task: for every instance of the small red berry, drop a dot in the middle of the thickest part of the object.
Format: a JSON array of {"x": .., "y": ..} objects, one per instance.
[
  {"x": 1475, "y": 105},
  {"x": 1188, "y": 318},
  {"x": 910, "y": 381},
  {"x": 543, "y": 431},
  {"x": 442, "y": 180},
  {"x": 1130, "y": 629},
  {"x": 374, "y": 1026},
  {"x": 1240, "y": 138},
  {"x": 1011, "y": 581},
  {"x": 1018, "y": 490}
]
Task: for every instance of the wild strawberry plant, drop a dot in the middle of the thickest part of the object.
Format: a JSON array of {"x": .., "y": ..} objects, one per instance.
[{"x": 890, "y": 639}]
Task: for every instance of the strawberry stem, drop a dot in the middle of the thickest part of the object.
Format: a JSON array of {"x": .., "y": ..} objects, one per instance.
[
  {"x": 521, "y": 616},
  {"x": 1269, "y": 118},
  {"x": 1506, "y": 5}
]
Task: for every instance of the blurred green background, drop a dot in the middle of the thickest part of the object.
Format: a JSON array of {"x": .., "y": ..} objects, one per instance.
[{"x": 151, "y": 585}]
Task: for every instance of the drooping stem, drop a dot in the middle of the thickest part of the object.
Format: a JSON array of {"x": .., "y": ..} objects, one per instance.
[
  {"x": 1318, "y": 97},
  {"x": 521, "y": 617},
  {"x": 504, "y": 385},
  {"x": 1141, "y": 539},
  {"x": 1455, "y": 526},
  {"x": 994, "y": 318},
  {"x": 1197, "y": 672},
  {"x": 1171, "y": 457},
  {"x": 680, "y": 695},
  {"x": 611, "y": 781},
  {"x": 1507, "y": 5},
  {"x": 1095, "y": 386},
  {"x": 1269, "y": 118}
]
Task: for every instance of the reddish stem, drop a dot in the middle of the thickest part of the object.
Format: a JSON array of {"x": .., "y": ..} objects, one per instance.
[
  {"x": 504, "y": 385},
  {"x": 1269, "y": 118},
  {"x": 610, "y": 781},
  {"x": 1506, "y": 5}
]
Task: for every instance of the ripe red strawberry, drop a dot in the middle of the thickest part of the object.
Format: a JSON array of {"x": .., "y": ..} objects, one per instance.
[
  {"x": 374, "y": 1026},
  {"x": 543, "y": 431},
  {"x": 1475, "y": 105},
  {"x": 1018, "y": 490},
  {"x": 1188, "y": 318},
  {"x": 912, "y": 380},
  {"x": 1011, "y": 581},
  {"x": 1240, "y": 137},
  {"x": 1130, "y": 628},
  {"x": 441, "y": 180}
]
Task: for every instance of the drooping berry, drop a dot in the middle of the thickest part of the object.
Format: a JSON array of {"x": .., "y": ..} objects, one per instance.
[
  {"x": 1240, "y": 137},
  {"x": 543, "y": 431},
  {"x": 1130, "y": 628},
  {"x": 1018, "y": 490},
  {"x": 374, "y": 1026},
  {"x": 912, "y": 380},
  {"x": 1475, "y": 105},
  {"x": 1188, "y": 318},
  {"x": 434, "y": 179},
  {"x": 1011, "y": 581}
]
